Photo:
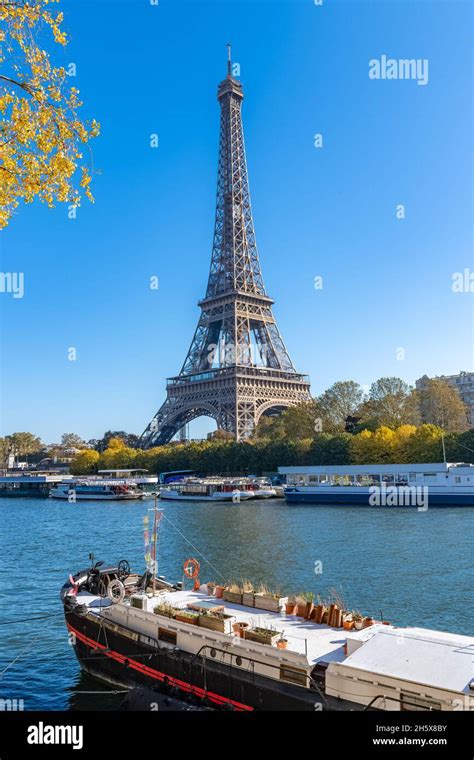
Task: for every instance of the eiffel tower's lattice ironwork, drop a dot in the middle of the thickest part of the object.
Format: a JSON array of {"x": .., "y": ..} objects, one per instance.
[{"x": 237, "y": 367}]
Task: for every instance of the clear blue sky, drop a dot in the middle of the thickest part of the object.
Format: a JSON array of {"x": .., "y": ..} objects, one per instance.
[{"x": 328, "y": 212}]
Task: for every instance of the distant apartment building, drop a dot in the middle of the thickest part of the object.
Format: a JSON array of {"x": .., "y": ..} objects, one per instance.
[{"x": 464, "y": 384}]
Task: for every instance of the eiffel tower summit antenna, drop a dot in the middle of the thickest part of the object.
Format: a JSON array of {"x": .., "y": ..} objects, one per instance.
[{"x": 237, "y": 368}]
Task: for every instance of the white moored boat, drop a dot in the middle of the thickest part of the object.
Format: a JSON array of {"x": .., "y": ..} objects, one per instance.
[
  {"x": 205, "y": 490},
  {"x": 387, "y": 485},
  {"x": 96, "y": 491}
]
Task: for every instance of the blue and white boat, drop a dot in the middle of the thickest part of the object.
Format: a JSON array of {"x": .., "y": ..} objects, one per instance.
[{"x": 382, "y": 485}]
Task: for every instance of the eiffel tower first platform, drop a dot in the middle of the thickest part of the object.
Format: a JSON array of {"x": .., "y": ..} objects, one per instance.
[{"x": 237, "y": 367}]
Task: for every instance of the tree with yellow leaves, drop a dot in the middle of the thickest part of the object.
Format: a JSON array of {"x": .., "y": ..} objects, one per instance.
[{"x": 41, "y": 136}]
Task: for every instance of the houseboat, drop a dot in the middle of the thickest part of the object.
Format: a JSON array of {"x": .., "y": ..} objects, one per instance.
[
  {"x": 35, "y": 485},
  {"x": 249, "y": 651},
  {"x": 388, "y": 485},
  {"x": 139, "y": 477},
  {"x": 206, "y": 490},
  {"x": 97, "y": 490}
]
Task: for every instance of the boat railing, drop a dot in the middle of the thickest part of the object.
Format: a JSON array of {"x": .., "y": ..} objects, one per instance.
[{"x": 237, "y": 659}]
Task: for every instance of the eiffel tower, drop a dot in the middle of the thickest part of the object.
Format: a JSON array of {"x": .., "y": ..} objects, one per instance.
[{"x": 237, "y": 367}]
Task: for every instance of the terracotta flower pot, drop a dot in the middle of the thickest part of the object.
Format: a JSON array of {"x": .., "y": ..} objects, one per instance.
[
  {"x": 386, "y": 622},
  {"x": 282, "y": 644},
  {"x": 368, "y": 621},
  {"x": 290, "y": 608},
  {"x": 301, "y": 610},
  {"x": 348, "y": 625},
  {"x": 219, "y": 592},
  {"x": 309, "y": 610},
  {"x": 239, "y": 629}
]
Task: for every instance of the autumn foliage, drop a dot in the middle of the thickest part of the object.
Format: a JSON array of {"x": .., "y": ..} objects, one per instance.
[{"x": 41, "y": 135}]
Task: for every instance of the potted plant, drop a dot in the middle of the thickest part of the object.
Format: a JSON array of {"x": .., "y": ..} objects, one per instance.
[
  {"x": 347, "y": 621},
  {"x": 219, "y": 591},
  {"x": 300, "y": 606},
  {"x": 239, "y": 628},
  {"x": 216, "y": 621},
  {"x": 318, "y": 612},
  {"x": 186, "y": 616},
  {"x": 166, "y": 609},
  {"x": 358, "y": 620},
  {"x": 282, "y": 643},
  {"x": 248, "y": 594},
  {"x": 261, "y": 635},
  {"x": 368, "y": 621},
  {"x": 309, "y": 596},
  {"x": 265, "y": 599},
  {"x": 211, "y": 587},
  {"x": 233, "y": 593},
  {"x": 290, "y": 607}
]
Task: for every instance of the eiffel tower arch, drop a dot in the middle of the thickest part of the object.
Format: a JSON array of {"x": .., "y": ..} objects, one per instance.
[{"x": 237, "y": 367}]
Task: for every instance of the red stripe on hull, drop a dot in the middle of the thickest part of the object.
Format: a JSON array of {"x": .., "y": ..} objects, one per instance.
[{"x": 156, "y": 674}]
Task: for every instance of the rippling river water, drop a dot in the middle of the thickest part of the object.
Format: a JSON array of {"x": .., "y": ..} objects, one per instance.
[{"x": 414, "y": 566}]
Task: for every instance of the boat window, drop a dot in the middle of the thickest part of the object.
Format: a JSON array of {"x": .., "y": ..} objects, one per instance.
[
  {"x": 294, "y": 675},
  {"x": 412, "y": 477},
  {"x": 170, "y": 637},
  {"x": 387, "y": 478},
  {"x": 313, "y": 479}
]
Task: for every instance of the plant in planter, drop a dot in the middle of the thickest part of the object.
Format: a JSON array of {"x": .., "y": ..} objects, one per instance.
[
  {"x": 368, "y": 621},
  {"x": 282, "y": 643},
  {"x": 265, "y": 599},
  {"x": 262, "y": 635},
  {"x": 347, "y": 621},
  {"x": 358, "y": 620},
  {"x": 239, "y": 628},
  {"x": 248, "y": 593},
  {"x": 216, "y": 621},
  {"x": 166, "y": 609},
  {"x": 300, "y": 606},
  {"x": 186, "y": 616},
  {"x": 211, "y": 587},
  {"x": 309, "y": 597},
  {"x": 219, "y": 591},
  {"x": 290, "y": 606},
  {"x": 233, "y": 593}
]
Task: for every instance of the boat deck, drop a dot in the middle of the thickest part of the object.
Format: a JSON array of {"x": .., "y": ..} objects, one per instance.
[{"x": 316, "y": 642}]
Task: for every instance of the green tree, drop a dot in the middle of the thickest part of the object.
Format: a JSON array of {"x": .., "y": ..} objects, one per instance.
[
  {"x": 330, "y": 449},
  {"x": 392, "y": 402},
  {"x": 270, "y": 428},
  {"x": 342, "y": 400},
  {"x": 128, "y": 439},
  {"x": 23, "y": 444},
  {"x": 300, "y": 422},
  {"x": 441, "y": 405},
  {"x": 4, "y": 451},
  {"x": 72, "y": 441}
]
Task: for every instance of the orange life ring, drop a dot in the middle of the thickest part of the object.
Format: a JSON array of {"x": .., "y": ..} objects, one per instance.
[{"x": 191, "y": 568}]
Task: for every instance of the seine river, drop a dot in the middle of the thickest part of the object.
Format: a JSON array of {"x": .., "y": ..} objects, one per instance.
[{"x": 414, "y": 566}]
